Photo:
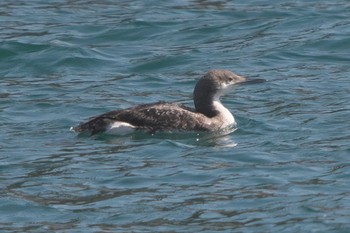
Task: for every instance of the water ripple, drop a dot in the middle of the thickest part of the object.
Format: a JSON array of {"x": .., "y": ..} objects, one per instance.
[{"x": 285, "y": 168}]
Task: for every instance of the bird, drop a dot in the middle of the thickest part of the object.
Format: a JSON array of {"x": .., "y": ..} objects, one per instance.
[{"x": 208, "y": 114}]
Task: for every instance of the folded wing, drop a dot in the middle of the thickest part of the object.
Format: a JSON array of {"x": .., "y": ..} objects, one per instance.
[{"x": 150, "y": 117}]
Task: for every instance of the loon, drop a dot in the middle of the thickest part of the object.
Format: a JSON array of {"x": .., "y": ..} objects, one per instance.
[{"x": 209, "y": 113}]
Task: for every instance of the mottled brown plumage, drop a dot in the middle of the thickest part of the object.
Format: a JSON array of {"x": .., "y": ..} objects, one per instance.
[
  {"x": 209, "y": 114},
  {"x": 154, "y": 117}
]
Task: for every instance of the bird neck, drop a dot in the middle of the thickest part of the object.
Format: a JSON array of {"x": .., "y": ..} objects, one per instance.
[
  {"x": 223, "y": 112},
  {"x": 207, "y": 104}
]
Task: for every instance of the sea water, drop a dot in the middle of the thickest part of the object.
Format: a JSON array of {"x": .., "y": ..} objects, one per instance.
[{"x": 285, "y": 169}]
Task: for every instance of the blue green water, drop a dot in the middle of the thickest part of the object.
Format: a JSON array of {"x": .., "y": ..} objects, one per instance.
[{"x": 285, "y": 169}]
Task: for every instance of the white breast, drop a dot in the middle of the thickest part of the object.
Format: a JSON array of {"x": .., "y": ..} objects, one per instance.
[
  {"x": 120, "y": 128},
  {"x": 225, "y": 115}
]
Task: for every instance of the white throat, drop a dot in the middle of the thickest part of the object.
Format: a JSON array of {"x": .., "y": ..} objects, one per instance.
[{"x": 225, "y": 115}]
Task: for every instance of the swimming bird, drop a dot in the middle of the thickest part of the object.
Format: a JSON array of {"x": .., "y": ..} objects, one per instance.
[{"x": 208, "y": 115}]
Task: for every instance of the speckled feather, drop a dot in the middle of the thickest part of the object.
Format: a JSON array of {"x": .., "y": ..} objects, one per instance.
[
  {"x": 209, "y": 113},
  {"x": 158, "y": 116}
]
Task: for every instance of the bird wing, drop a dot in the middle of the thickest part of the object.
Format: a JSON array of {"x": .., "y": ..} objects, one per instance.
[{"x": 151, "y": 117}]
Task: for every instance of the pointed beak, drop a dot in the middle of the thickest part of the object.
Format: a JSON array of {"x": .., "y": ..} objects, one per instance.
[{"x": 254, "y": 81}]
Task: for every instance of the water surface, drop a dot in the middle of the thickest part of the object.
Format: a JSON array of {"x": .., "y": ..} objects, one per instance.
[{"x": 285, "y": 169}]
